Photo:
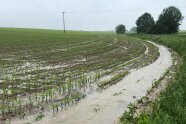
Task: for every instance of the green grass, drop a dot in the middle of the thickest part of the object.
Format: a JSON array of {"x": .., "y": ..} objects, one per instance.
[{"x": 171, "y": 106}]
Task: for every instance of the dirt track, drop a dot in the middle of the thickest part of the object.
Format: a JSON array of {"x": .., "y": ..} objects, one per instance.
[{"x": 107, "y": 106}]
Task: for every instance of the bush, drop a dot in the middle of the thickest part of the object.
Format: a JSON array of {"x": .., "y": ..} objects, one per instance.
[
  {"x": 120, "y": 29},
  {"x": 169, "y": 21},
  {"x": 145, "y": 23}
]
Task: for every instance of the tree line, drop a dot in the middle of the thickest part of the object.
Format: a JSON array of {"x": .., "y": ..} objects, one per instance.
[{"x": 168, "y": 22}]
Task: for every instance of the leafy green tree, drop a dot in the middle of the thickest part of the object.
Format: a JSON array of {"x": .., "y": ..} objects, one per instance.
[
  {"x": 169, "y": 21},
  {"x": 145, "y": 23},
  {"x": 120, "y": 29}
]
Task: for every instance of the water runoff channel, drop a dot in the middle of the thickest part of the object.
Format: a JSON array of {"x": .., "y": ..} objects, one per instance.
[{"x": 105, "y": 107}]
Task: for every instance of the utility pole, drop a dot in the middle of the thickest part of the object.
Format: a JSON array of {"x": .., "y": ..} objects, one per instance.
[{"x": 63, "y": 20}]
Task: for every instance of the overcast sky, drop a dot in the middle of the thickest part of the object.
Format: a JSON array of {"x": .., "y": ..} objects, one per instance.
[{"x": 81, "y": 14}]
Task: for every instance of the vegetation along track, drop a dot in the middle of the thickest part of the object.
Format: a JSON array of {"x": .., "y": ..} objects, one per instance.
[
  {"x": 43, "y": 70},
  {"x": 173, "y": 95}
]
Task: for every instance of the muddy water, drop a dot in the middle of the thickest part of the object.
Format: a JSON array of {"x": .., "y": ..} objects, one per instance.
[{"x": 107, "y": 106}]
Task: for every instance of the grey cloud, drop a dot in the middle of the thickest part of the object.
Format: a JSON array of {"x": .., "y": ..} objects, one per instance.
[{"x": 81, "y": 14}]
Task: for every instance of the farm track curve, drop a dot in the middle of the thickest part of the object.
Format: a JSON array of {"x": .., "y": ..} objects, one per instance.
[{"x": 107, "y": 106}]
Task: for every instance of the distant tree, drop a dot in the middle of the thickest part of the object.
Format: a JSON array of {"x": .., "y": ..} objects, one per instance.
[
  {"x": 145, "y": 23},
  {"x": 169, "y": 21},
  {"x": 133, "y": 29},
  {"x": 120, "y": 29}
]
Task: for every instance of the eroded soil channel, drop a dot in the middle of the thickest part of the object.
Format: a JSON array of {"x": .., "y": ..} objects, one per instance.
[{"x": 106, "y": 106}]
